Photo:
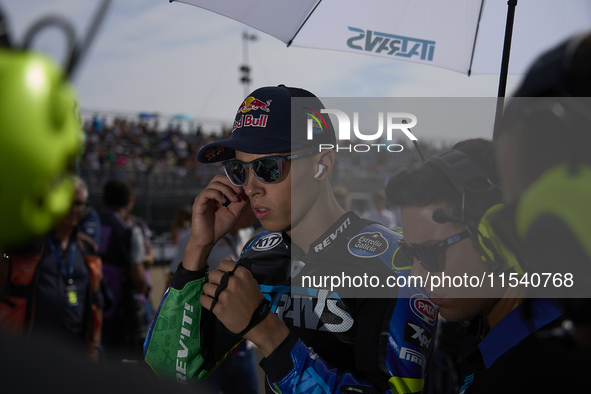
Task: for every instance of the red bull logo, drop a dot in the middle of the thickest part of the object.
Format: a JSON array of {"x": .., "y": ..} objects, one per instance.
[
  {"x": 250, "y": 121},
  {"x": 252, "y": 104}
]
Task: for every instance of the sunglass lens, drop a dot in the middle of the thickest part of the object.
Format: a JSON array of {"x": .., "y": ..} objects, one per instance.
[
  {"x": 427, "y": 259},
  {"x": 267, "y": 170},
  {"x": 236, "y": 172}
]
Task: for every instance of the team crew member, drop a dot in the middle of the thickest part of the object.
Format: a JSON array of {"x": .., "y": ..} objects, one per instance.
[
  {"x": 315, "y": 339},
  {"x": 445, "y": 206}
]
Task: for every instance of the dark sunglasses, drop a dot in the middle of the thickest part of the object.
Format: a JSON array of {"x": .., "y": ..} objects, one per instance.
[
  {"x": 426, "y": 254},
  {"x": 266, "y": 169}
]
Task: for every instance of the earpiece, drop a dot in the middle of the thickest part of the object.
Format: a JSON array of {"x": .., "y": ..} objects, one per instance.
[{"x": 320, "y": 170}]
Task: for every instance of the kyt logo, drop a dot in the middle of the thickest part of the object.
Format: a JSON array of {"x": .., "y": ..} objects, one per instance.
[{"x": 402, "y": 121}]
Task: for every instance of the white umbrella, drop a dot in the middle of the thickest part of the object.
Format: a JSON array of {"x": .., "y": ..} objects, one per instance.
[{"x": 460, "y": 35}]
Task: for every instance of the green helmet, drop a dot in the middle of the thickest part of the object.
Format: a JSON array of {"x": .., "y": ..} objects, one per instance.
[{"x": 40, "y": 137}]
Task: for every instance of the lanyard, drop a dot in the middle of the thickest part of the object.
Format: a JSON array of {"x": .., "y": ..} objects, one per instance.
[{"x": 70, "y": 273}]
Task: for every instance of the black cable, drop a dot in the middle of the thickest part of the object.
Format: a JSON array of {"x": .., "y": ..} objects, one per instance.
[
  {"x": 4, "y": 36},
  {"x": 81, "y": 51},
  {"x": 56, "y": 21}
]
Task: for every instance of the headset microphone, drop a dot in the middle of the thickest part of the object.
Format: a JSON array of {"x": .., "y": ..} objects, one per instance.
[{"x": 441, "y": 216}]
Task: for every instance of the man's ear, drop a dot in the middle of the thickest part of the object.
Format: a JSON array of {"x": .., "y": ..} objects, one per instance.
[{"x": 324, "y": 160}]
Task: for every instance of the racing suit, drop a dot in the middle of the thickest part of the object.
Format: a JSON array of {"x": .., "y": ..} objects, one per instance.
[{"x": 336, "y": 345}]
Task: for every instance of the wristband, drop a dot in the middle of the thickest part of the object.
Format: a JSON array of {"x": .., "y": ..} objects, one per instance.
[{"x": 258, "y": 316}]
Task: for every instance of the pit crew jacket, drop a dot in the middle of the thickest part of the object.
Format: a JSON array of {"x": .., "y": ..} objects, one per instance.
[{"x": 342, "y": 340}]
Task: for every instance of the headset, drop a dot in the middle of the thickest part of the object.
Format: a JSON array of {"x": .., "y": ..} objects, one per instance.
[{"x": 466, "y": 175}]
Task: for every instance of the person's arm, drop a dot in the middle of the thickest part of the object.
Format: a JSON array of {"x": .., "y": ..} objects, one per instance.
[
  {"x": 385, "y": 359},
  {"x": 184, "y": 341}
]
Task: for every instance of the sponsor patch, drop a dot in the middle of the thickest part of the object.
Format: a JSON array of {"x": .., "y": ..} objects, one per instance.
[
  {"x": 413, "y": 356},
  {"x": 332, "y": 236},
  {"x": 253, "y": 104},
  {"x": 267, "y": 242},
  {"x": 417, "y": 335},
  {"x": 250, "y": 121},
  {"x": 367, "y": 245},
  {"x": 213, "y": 152},
  {"x": 423, "y": 308}
]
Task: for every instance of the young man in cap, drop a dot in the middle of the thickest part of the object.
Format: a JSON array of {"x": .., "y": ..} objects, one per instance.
[{"x": 315, "y": 339}]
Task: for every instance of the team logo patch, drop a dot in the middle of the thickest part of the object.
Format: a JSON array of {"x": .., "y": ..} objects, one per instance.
[
  {"x": 423, "y": 308},
  {"x": 368, "y": 245},
  {"x": 253, "y": 104},
  {"x": 213, "y": 152},
  {"x": 267, "y": 242},
  {"x": 417, "y": 335}
]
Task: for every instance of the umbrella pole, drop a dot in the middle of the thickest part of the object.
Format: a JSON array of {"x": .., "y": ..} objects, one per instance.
[{"x": 511, "y": 4}]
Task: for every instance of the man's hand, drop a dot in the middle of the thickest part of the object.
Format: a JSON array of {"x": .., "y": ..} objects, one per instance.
[
  {"x": 238, "y": 301},
  {"x": 236, "y": 304},
  {"x": 211, "y": 221}
]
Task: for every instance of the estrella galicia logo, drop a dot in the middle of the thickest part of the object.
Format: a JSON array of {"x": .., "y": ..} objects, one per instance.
[
  {"x": 368, "y": 245},
  {"x": 423, "y": 308},
  {"x": 417, "y": 335},
  {"x": 267, "y": 242},
  {"x": 390, "y": 44}
]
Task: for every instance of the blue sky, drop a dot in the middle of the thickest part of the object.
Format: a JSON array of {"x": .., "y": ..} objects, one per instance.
[{"x": 152, "y": 55}]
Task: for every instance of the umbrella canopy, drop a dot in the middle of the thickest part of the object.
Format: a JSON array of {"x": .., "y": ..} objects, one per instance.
[
  {"x": 460, "y": 35},
  {"x": 147, "y": 115},
  {"x": 182, "y": 117}
]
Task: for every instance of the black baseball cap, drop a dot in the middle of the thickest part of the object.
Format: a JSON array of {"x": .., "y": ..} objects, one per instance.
[{"x": 264, "y": 122}]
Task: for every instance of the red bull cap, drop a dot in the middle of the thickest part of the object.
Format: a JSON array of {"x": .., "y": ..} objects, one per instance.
[{"x": 264, "y": 122}]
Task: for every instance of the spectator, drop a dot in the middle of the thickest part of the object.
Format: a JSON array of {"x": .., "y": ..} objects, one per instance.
[
  {"x": 379, "y": 213},
  {"x": 123, "y": 252},
  {"x": 63, "y": 297},
  {"x": 181, "y": 224}
]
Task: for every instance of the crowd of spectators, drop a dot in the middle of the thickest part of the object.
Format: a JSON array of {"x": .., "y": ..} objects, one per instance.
[{"x": 141, "y": 146}]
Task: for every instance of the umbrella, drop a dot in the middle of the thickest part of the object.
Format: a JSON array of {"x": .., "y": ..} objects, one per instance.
[
  {"x": 182, "y": 117},
  {"x": 460, "y": 35},
  {"x": 147, "y": 115}
]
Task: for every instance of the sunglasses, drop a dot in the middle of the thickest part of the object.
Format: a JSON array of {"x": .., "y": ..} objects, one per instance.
[
  {"x": 266, "y": 169},
  {"x": 427, "y": 254}
]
